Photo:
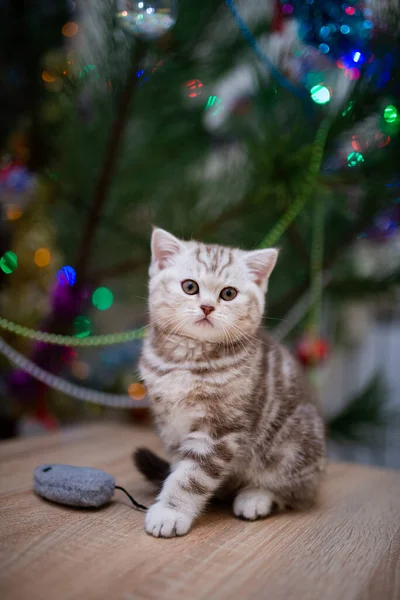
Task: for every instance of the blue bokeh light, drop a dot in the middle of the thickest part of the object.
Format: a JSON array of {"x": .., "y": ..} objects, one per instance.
[{"x": 66, "y": 275}]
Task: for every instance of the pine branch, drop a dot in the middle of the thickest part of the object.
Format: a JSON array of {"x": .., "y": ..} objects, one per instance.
[
  {"x": 362, "y": 287},
  {"x": 295, "y": 238},
  {"x": 122, "y": 268},
  {"x": 364, "y": 412},
  {"x": 287, "y": 299},
  {"x": 131, "y": 265},
  {"x": 110, "y": 160}
]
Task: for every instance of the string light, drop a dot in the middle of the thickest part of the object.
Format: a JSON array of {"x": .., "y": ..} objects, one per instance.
[
  {"x": 48, "y": 77},
  {"x": 287, "y": 9},
  {"x": 194, "y": 87},
  {"x": 348, "y": 108},
  {"x": 9, "y": 262},
  {"x": 42, "y": 257},
  {"x": 13, "y": 212},
  {"x": 390, "y": 114},
  {"x": 320, "y": 94},
  {"x": 354, "y": 159},
  {"x": 70, "y": 29},
  {"x": 352, "y": 73},
  {"x": 382, "y": 140},
  {"x": 357, "y": 144},
  {"x": 86, "y": 69},
  {"x": 66, "y": 276},
  {"x": 137, "y": 391},
  {"x": 102, "y": 298},
  {"x": 80, "y": 369},
  {"x": 82, "y": 327},
  {"x": 213, "y": 101}
]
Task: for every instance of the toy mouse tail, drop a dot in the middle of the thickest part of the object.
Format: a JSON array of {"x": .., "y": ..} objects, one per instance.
[{"x": 154, "y": 468}]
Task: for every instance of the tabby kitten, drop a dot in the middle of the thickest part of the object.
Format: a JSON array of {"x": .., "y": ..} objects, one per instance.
[{"x": 230, "y": 404}]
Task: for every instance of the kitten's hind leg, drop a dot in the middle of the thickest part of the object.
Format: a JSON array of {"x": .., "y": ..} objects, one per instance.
[{"x": 253, "y": 503}]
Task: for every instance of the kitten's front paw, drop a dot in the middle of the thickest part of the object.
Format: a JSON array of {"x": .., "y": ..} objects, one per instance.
[
  {"x": 162, "y": 521},
  {"x": 252, "y": 504}
]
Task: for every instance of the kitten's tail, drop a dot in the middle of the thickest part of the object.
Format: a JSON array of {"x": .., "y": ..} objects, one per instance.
[{"x": 154, "y": 468}]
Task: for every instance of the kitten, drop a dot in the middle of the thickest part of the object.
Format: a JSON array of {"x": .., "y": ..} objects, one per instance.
[{"x": 230, "y": 404}]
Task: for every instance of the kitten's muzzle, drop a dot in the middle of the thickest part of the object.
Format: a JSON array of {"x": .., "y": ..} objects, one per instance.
[{"x": 204, "y": 321}]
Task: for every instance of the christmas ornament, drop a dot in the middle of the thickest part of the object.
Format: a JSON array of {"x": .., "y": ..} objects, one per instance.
[
  {"x": 312, "y": 350},
  {"x": 8, "y": 262},
  {"x": 147, "y": 19},
  {"x": 102, "y": 298}
]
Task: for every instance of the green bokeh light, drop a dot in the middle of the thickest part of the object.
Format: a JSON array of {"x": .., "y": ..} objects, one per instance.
[
  {"x": 348, "y": 108},
  {"x": 82, "y": 327},
  {"x": 8, "y": 262},
  {"x": 320, "y": 94},
  {"x": 102, "y": 298},
  {"x": 213, "y": 102},
  {"x": 354, "y": 159},
  {"x": 390, "y": 114}
]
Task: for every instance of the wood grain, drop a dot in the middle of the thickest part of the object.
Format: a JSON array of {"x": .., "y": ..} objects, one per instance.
[{"x": 348, "y": 548}]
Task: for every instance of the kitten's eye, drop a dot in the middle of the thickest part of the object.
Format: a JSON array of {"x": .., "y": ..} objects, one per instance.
[
  {"x": 228, "y": 293},
  {"x": 190, "y": 287}
]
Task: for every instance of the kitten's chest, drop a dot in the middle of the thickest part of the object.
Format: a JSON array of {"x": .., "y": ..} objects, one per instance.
[{"x": 176, "y": 405}]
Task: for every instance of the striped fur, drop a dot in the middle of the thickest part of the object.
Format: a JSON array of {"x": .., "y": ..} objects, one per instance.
[{"x": 230, "y": 404}]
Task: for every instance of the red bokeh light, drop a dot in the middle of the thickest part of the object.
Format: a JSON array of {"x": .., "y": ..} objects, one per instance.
[
  {"x": 352, "y": 74},
  {"x": 359, "y": 144},
  {"x": 194, "y": 87},
  {"x": 350, "y": 10},
  {"x": 382, "y": 140}
]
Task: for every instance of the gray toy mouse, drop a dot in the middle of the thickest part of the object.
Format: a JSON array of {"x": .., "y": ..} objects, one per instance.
[{"x": 76, "y": 486}]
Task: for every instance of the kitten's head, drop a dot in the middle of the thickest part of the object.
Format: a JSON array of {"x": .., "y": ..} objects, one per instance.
[{"x": 206, "y": 292}]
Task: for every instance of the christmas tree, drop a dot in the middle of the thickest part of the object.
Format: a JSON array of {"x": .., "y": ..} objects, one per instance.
[{"x": 241, "y": 123}]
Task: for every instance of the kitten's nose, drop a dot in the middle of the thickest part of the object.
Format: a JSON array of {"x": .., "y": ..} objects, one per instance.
[{"x": 207, "y": 309}]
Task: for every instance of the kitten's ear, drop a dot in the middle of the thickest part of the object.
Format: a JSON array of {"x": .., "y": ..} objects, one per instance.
[
  {"x": 261, "y": 264},
  {"x": 164, "y": 246}
]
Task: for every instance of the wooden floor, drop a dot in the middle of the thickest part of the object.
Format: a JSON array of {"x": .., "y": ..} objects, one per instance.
[{"x": 346, "y": 549}]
